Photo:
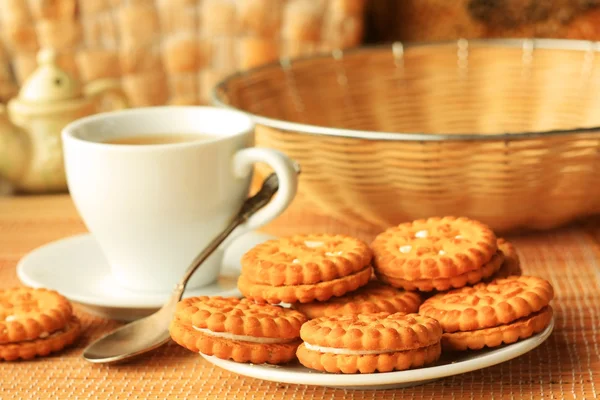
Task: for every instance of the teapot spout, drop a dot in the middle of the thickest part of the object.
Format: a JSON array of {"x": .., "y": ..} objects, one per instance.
[{"x": 13, "y": 149}]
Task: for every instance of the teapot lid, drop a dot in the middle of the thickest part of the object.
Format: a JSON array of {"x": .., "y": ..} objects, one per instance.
[{"x": 49, "y": 83}]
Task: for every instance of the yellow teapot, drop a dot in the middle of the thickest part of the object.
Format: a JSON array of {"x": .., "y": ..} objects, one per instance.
[{"x": 31, "y": 157}]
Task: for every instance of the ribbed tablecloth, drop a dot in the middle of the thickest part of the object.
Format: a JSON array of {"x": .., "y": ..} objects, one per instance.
[{"x": 566, "y": 366}]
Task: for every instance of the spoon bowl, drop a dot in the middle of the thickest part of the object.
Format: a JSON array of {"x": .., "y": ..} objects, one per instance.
[{"x": 133, "y": 339}]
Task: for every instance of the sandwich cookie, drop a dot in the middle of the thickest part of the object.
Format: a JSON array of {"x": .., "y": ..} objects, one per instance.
[
  {"x": 28, "y": 314},
  {"x": 436, "y": 254},
  {"x": 35, "y": 322},
  {"x": 47, "y": 343},
  {"x": 304, "y": 268},
  {"x": 490, "y": 314},
  {"x": 368, "y": 343},
  {"x": 238, "y": 330},
  {"x": 442, "y": 284},
  {"x": 372, "y": 298}
]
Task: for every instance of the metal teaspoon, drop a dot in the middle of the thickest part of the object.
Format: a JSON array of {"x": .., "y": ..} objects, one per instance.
[{"x": 151, "y": 332}]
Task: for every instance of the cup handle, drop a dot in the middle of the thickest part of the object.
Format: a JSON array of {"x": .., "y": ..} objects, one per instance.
[{"x": 283, "y": 166}]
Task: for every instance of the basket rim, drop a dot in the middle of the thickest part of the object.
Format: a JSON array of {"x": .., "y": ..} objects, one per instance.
[{"x": 288, "y": 126}]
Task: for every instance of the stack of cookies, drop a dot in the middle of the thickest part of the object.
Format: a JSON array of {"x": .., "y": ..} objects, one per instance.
[
  {"x": 235, "y": 329},
  {"x": 304, "y": 268},
  {"x": 490, "y": 314},
  {"x": 35, "y": 322},
  {"x": 367, "y": 343},
  {"x": 339, "y": 305}
]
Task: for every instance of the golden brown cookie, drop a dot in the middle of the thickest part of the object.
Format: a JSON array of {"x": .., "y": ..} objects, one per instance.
[
  {"x": 442, "y": 284},
  {"x": 375, "y": 297},
  {"x": 433, "y": 248},
  {"x": 512, "y": 264},
  {"x": 304, "y": 268},
  {"x": 369, "y": 342},
  {"x": 487, "y": 305},
  {"x": 503, "y": 334},
  {"x": 305, "y": 259},
  {"x": 240, "y": 330},
  {"x": 44, "y": 345},
  {"x": 321, "y": 291},
  {"x": 29, "y": 314}
]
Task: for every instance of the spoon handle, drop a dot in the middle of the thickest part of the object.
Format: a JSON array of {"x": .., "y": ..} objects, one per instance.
[{"x": 250, "y": 206}]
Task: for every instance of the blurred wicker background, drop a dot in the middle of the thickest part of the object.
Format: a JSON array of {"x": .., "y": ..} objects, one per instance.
[
  {"x": 168, "y": 51},
  {"x": 174, "y": 51}
]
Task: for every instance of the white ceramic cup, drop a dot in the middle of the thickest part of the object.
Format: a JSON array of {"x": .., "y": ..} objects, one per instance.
[{"x": 153, "y": 208}]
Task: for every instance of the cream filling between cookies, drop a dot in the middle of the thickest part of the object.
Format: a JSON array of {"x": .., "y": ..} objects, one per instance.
[
  {"x": 334, "y": 350},
  {"x": 44, "y": 335},
  {"x": 241, "y": 338}
]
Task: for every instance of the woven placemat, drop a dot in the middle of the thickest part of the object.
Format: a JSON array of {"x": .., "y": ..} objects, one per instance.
[{"x": 566, "y": 366}]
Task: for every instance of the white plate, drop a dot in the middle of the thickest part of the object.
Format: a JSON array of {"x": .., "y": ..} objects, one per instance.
[
  {"x": 76, "y": 268},
  {"x": 447, "y": 366}
]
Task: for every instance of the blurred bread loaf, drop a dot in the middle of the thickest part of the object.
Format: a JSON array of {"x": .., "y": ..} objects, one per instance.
[{"x": 426, "y": 20}]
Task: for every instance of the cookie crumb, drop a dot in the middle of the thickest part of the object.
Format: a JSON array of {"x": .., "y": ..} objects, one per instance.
[
  {"x": 312, "y": 244},
  {"x": 405, "y": 249},
  {"x": 422, "y": 234}
]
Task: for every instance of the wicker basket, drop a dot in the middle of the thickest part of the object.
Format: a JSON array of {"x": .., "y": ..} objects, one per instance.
[
  {"x": 505, "y": 131},
  {"x": 168, "y": 51}
]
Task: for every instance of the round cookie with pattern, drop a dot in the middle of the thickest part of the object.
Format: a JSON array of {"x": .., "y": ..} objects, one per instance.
[
  {"x": 304, "y": 268},
  {"x": 489, "y": 314},
  {"x": 30, "y": 314},
  {"x": 368, "y": 343},
  {"x": 433, "y": 248},
  {"x": 238, "y": 330},
  {"x": 372, "y": 298}
]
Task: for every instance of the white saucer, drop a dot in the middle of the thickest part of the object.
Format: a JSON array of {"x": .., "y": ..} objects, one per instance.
[
  {"x": 76, "y": 268},
  {"x": 447, "y": 366}
]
